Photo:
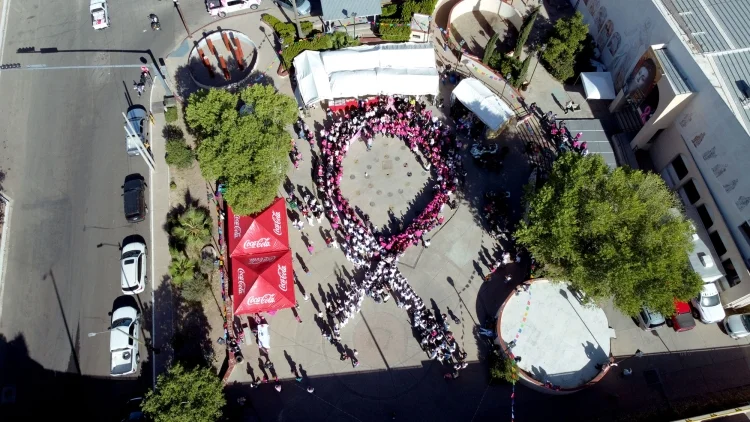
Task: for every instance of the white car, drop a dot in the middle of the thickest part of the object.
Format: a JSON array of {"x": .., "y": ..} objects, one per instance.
[
  {"x": 737, "y": 326},
  {"x": 99, "y": 14},
  {"x": 123, "y": 341},
  {"x": 220, "y": 8},
  {"x": 133, "y": 268},
  {"x": 708, "y": 304}
]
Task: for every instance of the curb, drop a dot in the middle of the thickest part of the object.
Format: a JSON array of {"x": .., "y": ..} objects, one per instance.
[{"x": 3, "y": 242}]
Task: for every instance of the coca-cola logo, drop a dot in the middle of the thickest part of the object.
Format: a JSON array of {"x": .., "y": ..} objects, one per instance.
[
  {"x": 282, "y": 277},
  {"x": 276, "y": 217},
  {"x": 237, "y": 230},
  {"x": 265, "y": 299},
  {"x": 240, "y": 281},
  {"x": 261, "y": 260},
  {"x": 264, "y": 242}
]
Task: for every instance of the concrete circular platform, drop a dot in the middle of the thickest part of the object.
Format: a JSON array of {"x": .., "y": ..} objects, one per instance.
[
  {"x": 558, "y": 340},
  {"x": 377, "y": 181},
  {"x": 222, "y": 59}
]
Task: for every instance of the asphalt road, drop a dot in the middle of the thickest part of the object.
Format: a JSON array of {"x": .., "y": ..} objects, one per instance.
[{"x": 63, "y": 153}]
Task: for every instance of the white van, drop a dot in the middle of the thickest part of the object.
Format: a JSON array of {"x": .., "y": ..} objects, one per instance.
[{"x": 99, "y": 14}]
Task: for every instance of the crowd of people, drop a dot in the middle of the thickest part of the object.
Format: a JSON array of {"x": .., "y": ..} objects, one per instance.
[{"x": 375, "y": 252}]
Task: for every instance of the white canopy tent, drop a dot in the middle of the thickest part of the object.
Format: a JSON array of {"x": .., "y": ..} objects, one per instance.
[
  {"x": 598, "y": 85},
  {"x": 488, "y": 107},
  {"x": 312, "y": 81},
  {"x": 385, "y": 69}
]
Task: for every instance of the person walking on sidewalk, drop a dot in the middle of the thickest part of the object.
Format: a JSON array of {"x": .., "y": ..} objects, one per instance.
[{"x": 310, "y": 247}]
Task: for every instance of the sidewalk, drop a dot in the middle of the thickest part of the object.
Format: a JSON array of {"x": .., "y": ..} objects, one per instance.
[{"x": 161, "y": 299}]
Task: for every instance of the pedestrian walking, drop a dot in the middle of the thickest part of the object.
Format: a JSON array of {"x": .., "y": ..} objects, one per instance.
[
  {"x": 297, "y": 317},
  {"x": 426, "y": 243},
  {"x": 328, "y": 241},
  {"x": 508, "y": 278},
  {"x": 310, "y": 247}
]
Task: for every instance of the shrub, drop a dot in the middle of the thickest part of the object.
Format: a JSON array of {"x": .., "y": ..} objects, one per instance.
[
  {"x": 410, "y": 7},
  {"x": 389, "y": 10},
  {"x": 170, "y": 114},
  {"x": 528, "y": 23},
  {"x": 172, "y": 132},
  {"x": 306, "y": 27},
  {"x": 489, "y": 49},
  {"x": 179, "y": 154},
  {"x": 195, "y": 288},
  {"x": 503, "y": 369},
  {"x": 288, "y": 54},
  {"x": 286, "y": 31},
  {"x": 397, "y": 32}
]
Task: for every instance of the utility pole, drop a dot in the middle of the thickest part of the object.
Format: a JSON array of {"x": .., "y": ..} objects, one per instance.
[
  {"x": 296, "y": 18},
  {"x": 179, "y": 12}
]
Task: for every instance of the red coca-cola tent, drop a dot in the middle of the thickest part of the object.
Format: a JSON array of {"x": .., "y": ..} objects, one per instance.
[{"x": 261, "y": 261}]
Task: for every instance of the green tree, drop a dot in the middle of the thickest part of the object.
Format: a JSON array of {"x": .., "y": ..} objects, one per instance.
[
  {"x": 248, "y": 152},
  {"x": 528, "y": 24},
  {"x": 182, "y": 394},
  {"x": 489, "y": 49},
  {"x": 181, "y": 268},
  {"x": 611, "y": 234},
  {"x": 192, "y": 228},
  {"x": 503, "y": 369},
  {"x": 566, "y": 41}
]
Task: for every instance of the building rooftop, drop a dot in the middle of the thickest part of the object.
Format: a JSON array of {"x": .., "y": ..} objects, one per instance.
[
  {"x": 334, "y": 10},
  {"x": 557, "y": 338},
  {"x": 716, "y": 25}
]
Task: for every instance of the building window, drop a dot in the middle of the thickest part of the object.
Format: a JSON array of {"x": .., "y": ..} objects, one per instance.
[
  {"x": 691, "y": 191},
  {"x": 718, "y": 244},
  {"x": 732, "y": 277},
  {"x": 746, "y": 230},
  {"x": 679, "y": 167},
  {"x": 705, "y": 216}
]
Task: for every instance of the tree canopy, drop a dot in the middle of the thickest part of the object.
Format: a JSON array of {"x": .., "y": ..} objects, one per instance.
[
  {"x": 611, "y": 234},
  {"x": 185, "y": 395},
  {"x": 248, "y": 151},
  {"x": 564, "y": 45}
]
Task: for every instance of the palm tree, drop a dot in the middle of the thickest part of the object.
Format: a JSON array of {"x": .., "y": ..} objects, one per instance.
[
  {"x": 182, "y": 268},
  {"x": 193, "y": 227}
]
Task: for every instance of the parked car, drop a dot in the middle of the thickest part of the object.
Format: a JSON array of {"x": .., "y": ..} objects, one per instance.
[
  {"x": 123, "y": 341},
  {"x": 220, "y": 8},
  {"x": 737, "y": 326},
  {"x": 650, "y": 320},
  {"x": 99, "y": 14},
  {"x": 708, "y": 305},
  {"x": 134, "y": 198},
  {"x": 133, "y": 268},
  {"x": 682, "y": 320},
  {"x": 303, "y": 6},
  {"x": 136, "y": 117}
]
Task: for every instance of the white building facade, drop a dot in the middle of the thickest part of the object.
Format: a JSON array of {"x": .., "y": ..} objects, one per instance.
[{"x": 682, "y": 72}]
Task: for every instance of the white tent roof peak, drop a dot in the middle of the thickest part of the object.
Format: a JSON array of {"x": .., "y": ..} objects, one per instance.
[
  {"x": 488, "y": 107},
  {"x": 598, "y": 85}
]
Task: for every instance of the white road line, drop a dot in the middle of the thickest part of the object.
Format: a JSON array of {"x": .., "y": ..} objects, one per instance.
[
  {"x": 103, "y": 66},
  {"x": 153, "y": 273},
  {"x": 3, "y": 27},
  {"x": 3, "y": 243}
]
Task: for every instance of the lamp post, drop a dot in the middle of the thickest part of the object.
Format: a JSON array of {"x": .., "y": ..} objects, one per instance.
[
  {"x": 538, "y": 54},
  {"x": 179, "y": 12},
  {"x": 506, "y": 77},
  {"x": 354, "y": 24}
]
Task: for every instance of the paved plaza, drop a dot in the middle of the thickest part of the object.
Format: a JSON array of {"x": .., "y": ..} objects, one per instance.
[{"x": 388, "y": 179}]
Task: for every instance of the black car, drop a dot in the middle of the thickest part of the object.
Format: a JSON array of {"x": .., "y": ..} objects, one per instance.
[{"x": 134, "y": 198}]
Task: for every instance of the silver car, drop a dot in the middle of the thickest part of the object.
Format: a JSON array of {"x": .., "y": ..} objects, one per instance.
[
  {"x": 136, "y": 116},
  {"x": 737, "y": 326},
  {"x": 303, "y": 6}
]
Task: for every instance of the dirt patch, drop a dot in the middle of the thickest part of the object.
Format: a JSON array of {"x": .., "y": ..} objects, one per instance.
[{"x": 190, "y": 189}]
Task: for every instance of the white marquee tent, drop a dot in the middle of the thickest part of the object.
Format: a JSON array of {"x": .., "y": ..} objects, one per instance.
[
  {"x": 598, "y": 85},
  {"x": 488, "y": 107},
  {"x": 385, "y": 69}
]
